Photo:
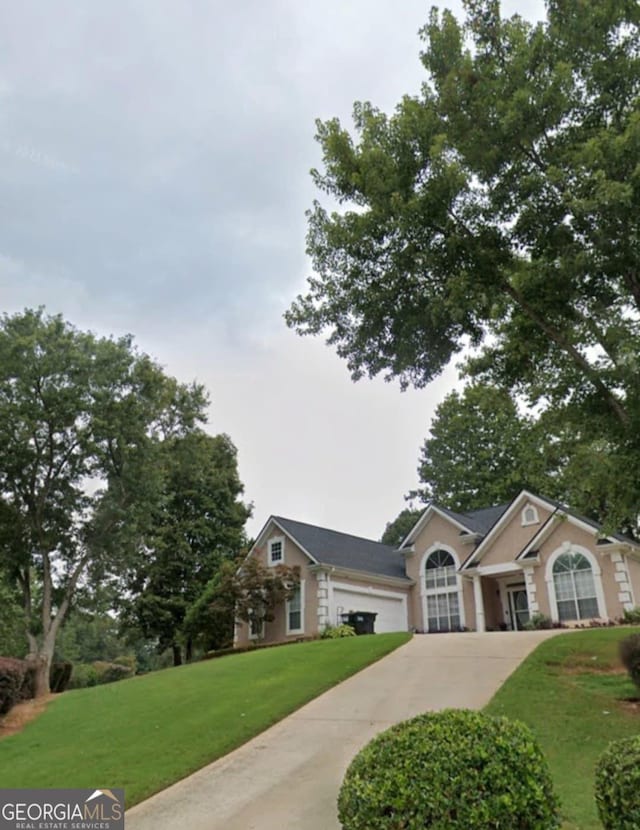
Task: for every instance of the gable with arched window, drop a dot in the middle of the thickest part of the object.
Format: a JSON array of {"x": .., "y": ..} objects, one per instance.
[{"x": 443, "y": 600}]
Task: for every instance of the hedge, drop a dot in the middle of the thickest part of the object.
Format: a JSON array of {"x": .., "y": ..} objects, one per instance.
[
  {"x": 618, "y": 785},
  {"x": 450, "y": 770}
]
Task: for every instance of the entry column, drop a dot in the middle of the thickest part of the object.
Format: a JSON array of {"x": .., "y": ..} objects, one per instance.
[{"x": 479, "y": 602}]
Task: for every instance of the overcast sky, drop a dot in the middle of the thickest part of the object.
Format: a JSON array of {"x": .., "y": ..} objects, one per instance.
[{"x": 154, "y": 169}]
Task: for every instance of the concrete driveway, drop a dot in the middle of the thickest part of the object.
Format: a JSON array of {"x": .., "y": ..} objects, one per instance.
[{"x": 289, "y": 776}]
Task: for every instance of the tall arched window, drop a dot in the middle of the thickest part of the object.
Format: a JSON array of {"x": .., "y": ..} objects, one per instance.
[
  {"x": 575, "y": 587},
  {"x": 441, "y": 584}
]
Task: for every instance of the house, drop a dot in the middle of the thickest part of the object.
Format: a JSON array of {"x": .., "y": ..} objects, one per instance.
[{"x": 483, "y": 570}]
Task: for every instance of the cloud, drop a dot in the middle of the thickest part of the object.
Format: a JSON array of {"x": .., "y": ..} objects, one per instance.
[{"x": 154, "y": 162}]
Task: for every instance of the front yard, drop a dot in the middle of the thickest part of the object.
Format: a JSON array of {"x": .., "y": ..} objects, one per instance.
[
  {"x": 145, "y": 733},
  {"x": 573, "y": 693}
]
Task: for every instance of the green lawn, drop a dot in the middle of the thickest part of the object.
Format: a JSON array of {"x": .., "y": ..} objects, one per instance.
[
  {"x": 569, "y": 692},
  {"x": 145, "y": 733}
]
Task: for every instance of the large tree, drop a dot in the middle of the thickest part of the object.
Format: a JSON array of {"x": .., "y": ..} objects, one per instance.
[
  {"x": 481, "y": 451},
  {"x": 81, "y": 420},
  {"x": 197, "y": 524},
  {"x": 499, "y": 210},
  {"x": 396, "y": 531}
]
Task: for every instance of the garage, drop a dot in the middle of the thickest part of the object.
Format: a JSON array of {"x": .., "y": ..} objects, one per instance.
[{"x": 391, "y": 608}]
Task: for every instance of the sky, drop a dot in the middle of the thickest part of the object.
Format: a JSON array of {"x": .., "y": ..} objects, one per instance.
[{"x": 154, "y": 178}]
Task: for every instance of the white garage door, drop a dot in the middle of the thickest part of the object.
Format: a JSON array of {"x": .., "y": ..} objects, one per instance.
[{"x": 391, "y": 610}]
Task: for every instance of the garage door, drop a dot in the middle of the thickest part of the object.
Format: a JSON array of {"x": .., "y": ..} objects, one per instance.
[{"x": 391, "y": 611}]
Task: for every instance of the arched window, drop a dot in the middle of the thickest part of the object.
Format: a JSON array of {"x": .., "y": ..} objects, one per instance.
[
  {"x": 530, "y": 516},
  {"x": 575, "y": 587},
  {"x": 441, "y": 585}
]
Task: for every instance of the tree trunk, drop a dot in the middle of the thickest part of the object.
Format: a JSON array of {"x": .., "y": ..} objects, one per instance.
[
  {"x": 188, "y": 655},
  {"x": 177, "y": 655},
  {"x": 42, "y": 660}
]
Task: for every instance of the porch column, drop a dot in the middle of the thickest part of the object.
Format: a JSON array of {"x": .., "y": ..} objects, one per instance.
[
  {"x": 479, "y": 602},
  {"x": 323, "y": 600}
]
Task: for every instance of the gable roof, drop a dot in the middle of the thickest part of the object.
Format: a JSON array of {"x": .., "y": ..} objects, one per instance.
[
  {"x": 471, "y": 522},
  {"x": 478, "y": 521},
  {"x": 330, "y": 547}
]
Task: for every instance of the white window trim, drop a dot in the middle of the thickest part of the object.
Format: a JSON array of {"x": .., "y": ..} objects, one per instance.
[
  {"x": 528, "y": 522},
  {"x": 272, "y": 541},
  {"x": 259, "y": 636},
  {"x": 301, "y": 629},
  {"x": 449, "y": 589},
  {"x": 568, "y": 547}
]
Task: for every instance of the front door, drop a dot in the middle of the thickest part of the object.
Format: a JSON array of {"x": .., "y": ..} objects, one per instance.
[{"x": 518, "y": 608}]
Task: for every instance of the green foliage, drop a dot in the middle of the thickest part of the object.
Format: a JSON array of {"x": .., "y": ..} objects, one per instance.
[
  {"x": 250, "y": 593},
  {"x": 60, "y": 675},
  {"x": 83, "y": 675},
  {"x": 630, "y": 656},
  {"x": 76, "y": 409},
  {"x": 336, "y": 632},
  {"x": 13, "y": 642},
  {"x": 197, "y": 524},
  {"x": 538, "y": 622},
  {"x": 100, "y": 672},
  {"x": 618, "y": 785},
  {"x": 573, "y": 693},
  {"x": 451, "y": 769},
  {"x": 632, "y": 617},
  {"x": 481, "y": 451},
  {"x": 397, "y": 531},
  {"x": 496, "y": 212}
]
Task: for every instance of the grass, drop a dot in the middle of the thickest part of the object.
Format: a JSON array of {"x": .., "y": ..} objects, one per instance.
[
  {"x": 148, "y": 732},
  {"x": 571, "y": 692}
]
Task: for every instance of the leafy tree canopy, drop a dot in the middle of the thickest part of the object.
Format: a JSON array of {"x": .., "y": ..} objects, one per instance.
[
  {"x": 81, "y": 422},
  {"x": 197, "y": 524},
  {"x": 496, "y": 211},
  {"x": 249, "y": 592},
  {"x": 397, "y": 531},
  {"x": 482, "y": 452}
]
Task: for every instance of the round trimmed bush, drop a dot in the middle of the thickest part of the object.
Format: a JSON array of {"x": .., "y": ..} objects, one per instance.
[
  {"x": 450, "y": 770},
  {"x": 618, "y": 785}
]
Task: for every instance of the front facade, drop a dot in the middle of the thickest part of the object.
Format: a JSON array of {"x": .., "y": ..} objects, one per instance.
[{"x": 483, "y": 570}]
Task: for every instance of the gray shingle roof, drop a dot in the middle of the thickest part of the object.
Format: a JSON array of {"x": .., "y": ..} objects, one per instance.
[
  {"x": 478, "y": 521},
  {"x": 331, "y": 547}
]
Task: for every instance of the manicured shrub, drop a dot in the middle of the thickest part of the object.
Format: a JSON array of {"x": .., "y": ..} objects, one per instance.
[
  {"x": 630, "y": 656},
  {"x": 111, "y": 672},
  {"x": 450, "y": 770},
  {"x": 95, "y": 674},
  {"x": 83, "y": 675},
  {"x": 12, "y": 674},
  {"x": 336, "y": 632},
  {"x": 618, "y": 785},
  {"x": 60, "y": 675},
  {"x": 28, "y": 689},
  {"x": 632, "y": 617},
  {"x": 538, "y": 622}
]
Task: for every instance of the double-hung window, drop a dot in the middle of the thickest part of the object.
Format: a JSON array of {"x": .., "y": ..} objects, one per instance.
[
  {"x": 276, "y": 551},
  {"x": 295, "y": 610}
]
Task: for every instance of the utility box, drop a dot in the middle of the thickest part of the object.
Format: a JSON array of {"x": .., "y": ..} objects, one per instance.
[{"x": 363, "y": 622}]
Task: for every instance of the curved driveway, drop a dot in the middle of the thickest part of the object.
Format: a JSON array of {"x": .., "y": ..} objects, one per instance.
[{"x": 288, "y": 777}]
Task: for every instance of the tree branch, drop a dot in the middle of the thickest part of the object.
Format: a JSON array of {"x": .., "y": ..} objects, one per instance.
[{"x": 568, "y": 348}]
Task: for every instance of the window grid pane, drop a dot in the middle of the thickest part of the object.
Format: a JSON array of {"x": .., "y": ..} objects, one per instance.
[{"x": 575, "y": 588}]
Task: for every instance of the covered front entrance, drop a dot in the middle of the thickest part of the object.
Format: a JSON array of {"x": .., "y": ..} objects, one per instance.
[
  {"x": 501, "y": 599},
  {"x": 518, "y": 607}
]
